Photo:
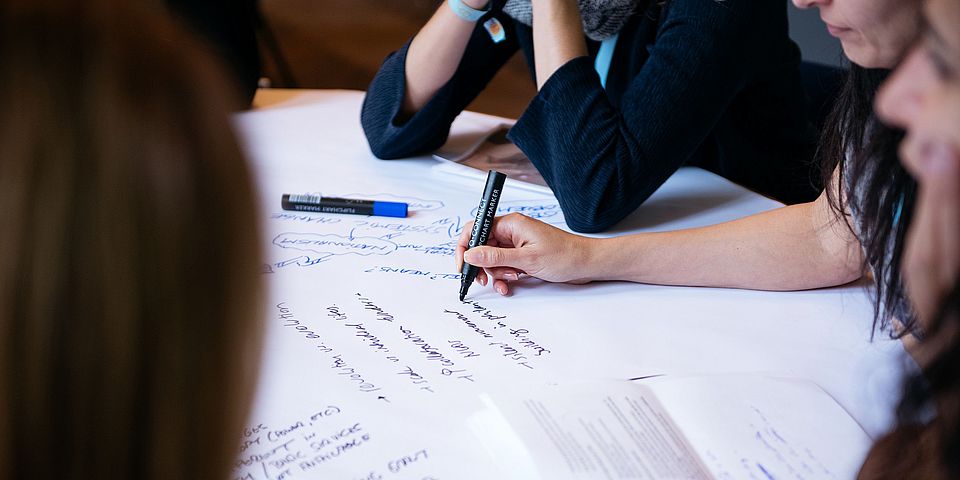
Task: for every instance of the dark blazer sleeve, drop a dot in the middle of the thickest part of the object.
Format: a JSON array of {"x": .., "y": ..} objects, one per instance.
[
  {"x": 601, "y": 162},
  {"x": 391, "y": 135}
]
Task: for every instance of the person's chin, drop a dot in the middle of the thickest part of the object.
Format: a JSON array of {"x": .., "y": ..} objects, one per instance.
[{"x": 864, "y": 57}]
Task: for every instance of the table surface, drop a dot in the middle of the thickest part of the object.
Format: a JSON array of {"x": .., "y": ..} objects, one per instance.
[{"x": 311, "y": 141}]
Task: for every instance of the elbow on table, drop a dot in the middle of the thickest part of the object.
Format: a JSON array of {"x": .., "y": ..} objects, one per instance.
[
  {"x": 380, "y": 145},
  {"x": 389, "y": 142},
  {"x": 589, "y": 218},
  {"x": 399, "y": 148},
  {"x": 580, "y": 226},
  {"x": 848, "y": 274},
  {"x": 380, "y": 134},
  {"x": 826, "y": 276},
  {"x": 597, "y": 213},
  {"x": 385, "y": 151}
]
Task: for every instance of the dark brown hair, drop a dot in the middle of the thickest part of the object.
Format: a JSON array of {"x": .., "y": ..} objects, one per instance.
[
  {"x": 926, "y": 442},
  {"x": 128, "y": 249},
  {"x": 874, "y": 187}
]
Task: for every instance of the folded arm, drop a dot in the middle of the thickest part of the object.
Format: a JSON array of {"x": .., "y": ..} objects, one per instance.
[
  {"x": 420, "y": 89},
  {"x": 604, "y": 161}
]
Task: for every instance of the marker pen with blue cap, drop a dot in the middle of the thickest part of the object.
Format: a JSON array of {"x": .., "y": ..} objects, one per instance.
[
  {"x": 482, "y": 226},
  {"x": 317, "y": 203}
]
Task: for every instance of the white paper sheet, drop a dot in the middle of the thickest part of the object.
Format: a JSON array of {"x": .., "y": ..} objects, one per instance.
[
  {"x": 718, "y": 426},
  {"x": 363, "y": 312}
]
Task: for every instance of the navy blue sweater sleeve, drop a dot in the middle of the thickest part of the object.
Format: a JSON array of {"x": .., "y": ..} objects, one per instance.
[
  {"x": 602, "y": 162},
  {"x": 390, "y": 135}
]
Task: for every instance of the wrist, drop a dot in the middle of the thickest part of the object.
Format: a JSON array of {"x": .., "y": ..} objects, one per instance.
[
  {"x": 468, "y": 10},
  {"x": 592, "y": 263},
  {"x": 608, "y": 258}
]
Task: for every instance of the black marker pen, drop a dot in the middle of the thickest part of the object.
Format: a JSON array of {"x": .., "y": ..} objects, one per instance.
[
  {"x": 316, "y": 203},
  {"x": 482, "y": 226}
]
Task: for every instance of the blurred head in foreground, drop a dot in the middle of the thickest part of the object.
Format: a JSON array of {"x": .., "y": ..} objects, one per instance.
[{"x": 129, "y": 294}]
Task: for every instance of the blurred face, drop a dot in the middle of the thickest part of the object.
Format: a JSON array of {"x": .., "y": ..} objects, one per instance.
[
  {"x": 874, "y": 33},
  {"x": 923, "y": 97}
]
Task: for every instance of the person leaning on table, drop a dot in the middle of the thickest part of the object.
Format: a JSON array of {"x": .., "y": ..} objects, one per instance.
[
  {"x": 899, "y": 216},
  {"x": 129, "y": 292},
  {"x": 856, "y": 225},
  {"x": 686, "y": 82}
]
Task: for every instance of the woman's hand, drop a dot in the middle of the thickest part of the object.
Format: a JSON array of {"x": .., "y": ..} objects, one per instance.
[{"x": 521, "y": 245}]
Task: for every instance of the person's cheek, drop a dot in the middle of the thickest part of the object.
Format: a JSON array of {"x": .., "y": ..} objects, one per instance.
[
  {"x": 900, "y": 98},
  {"x": 931, "y": 259},
  {"x": 918, "y": 283},
  {"x": 910, "y": 154},
  {"x": 935, "y": 128},
  {"x": 951, "y": 113},
  {"x": 921, "y": 250}
]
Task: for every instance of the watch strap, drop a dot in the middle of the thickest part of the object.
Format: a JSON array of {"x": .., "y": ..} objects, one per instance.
[{"x": 466, "y": 12}]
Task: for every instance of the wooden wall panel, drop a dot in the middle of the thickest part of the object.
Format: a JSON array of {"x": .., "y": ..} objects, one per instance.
[{"x": 340, "y": 44}]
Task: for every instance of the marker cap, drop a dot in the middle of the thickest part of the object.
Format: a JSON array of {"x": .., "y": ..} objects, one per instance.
[{"x": 390, "y": 209}]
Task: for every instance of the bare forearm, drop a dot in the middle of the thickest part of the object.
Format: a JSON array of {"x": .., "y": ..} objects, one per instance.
[
  {"x": 435, "y": 53},
  {"x": 557, "y": 36},
  {"x": 791, "y": 248}
]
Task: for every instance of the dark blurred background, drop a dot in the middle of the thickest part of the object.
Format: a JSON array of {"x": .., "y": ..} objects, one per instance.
[{"x": 340, "y": 44}]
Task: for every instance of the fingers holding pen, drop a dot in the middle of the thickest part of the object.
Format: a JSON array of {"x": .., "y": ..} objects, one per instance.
[
  {"x": 463, "y": 241},
  {"x": 497, "y": 240},
  {"x": 507, "y": 274},
  {"x": 501, "y": 287},
  {"x": 485, "y": 275},
  {"x": 499, "y": 275},
  {"x": 517, "y": 247},
  {"x": 521, "y": 245}
]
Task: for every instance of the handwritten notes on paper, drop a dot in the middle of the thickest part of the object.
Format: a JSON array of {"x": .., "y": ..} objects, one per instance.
[
  {"x": 375, "y": 236},
  {"x": 362, "y": 313},
  {"x": 364, "y": 318},
  {"x": 331, "y": 435},
  {"x": 356, "y": 342},
  {"x": 365, "y": 334},
  {"x": 395, "y": 346}
]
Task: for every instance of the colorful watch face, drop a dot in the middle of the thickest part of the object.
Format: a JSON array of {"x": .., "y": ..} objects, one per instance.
[{"x": 495, "y": 29}]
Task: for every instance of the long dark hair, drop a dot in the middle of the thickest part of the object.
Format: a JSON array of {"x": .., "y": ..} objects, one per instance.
[
  {"x": 926, "y": 441},
  {"x": 937, "y": 388},
  {"x": 874, "y": 188}
]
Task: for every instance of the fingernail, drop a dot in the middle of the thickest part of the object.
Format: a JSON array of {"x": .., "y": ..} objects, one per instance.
[
  {"x": 501, "y": 289},
  {"x": 469, "y": 256}
]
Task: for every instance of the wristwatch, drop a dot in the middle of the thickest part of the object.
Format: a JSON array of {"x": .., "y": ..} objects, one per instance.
[{"x": 466, "y": 12}]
